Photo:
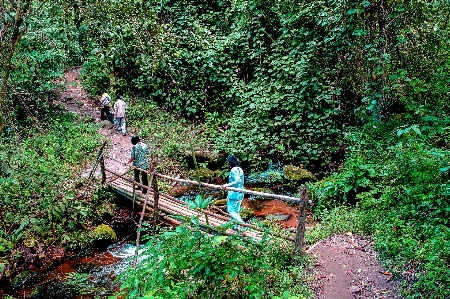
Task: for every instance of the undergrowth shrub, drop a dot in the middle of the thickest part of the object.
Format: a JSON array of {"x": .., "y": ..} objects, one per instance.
[
  {"x": 38, "y": 182},
  {"x": 190, "y": 264}
]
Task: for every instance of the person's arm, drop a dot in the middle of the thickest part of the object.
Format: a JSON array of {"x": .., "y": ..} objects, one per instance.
[
  {"x": 234, "y": 174},
  {"x": 132, "y": 155}
]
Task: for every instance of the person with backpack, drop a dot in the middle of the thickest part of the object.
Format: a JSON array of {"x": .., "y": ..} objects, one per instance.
[
  {"x": 139, "y": 153},
  {"x": 106, "y": 106},
  {"x": 236, "y": 180},
  {"x": 119, "y": 114}
]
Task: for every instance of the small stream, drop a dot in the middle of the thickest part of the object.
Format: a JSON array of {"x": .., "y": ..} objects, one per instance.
[{"x": 85, "y": 276}]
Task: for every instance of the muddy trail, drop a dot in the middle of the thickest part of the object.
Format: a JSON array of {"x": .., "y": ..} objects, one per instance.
[{"x": 345, "y": 266}]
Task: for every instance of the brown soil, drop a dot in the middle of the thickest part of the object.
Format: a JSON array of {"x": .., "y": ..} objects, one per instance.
[{"x": 345, "y": 266}]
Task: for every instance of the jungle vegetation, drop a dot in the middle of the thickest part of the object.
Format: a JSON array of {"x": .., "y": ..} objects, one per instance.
[{"x": 354, "y": 90}]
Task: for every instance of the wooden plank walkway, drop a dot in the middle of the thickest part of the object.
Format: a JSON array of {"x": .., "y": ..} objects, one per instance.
[{"x": 170, "y": 206}]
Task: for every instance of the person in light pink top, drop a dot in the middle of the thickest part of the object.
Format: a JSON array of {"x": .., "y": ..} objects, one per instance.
[{"x": 119, "y": 113}]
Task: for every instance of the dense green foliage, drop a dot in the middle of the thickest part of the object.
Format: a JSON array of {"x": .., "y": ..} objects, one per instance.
[
  {"x": 190, "y": 264},
  {"x": 399, "y": 178},
  {"x": 284, "y": 79},
  {"x": 38, "y": 179}
]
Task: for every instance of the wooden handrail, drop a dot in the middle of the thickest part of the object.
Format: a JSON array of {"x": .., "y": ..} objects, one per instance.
[{"x": 219, "y": 187}]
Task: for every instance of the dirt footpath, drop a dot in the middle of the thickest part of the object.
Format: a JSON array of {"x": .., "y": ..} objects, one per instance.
[
  {"x": 346, "y": 268},
  {"x": 76, "y": 100}
]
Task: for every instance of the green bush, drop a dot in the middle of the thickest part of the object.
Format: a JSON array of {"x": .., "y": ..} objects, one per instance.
[
  {"x": 190, "y": 264},
  {"x": 38, "y": 185}
]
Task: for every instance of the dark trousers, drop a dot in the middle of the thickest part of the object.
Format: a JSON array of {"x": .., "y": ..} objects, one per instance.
[
  {"x": 105, "y": 114},
  {"x": 144, "y": 178}
]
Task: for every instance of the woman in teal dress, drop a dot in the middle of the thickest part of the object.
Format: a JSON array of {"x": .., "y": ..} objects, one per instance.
[{"x": 236, "y": 180}]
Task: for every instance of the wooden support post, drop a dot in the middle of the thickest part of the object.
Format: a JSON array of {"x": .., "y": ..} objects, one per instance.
[
  {"x": 134, "y": 197},
  {"x": 300, "y": 235},
  {"x": 154, "y": 186},
  {"x": 99, "y": 155},
  {"x": 102, "y": 168},
  {"x": 138, "y": 235}
]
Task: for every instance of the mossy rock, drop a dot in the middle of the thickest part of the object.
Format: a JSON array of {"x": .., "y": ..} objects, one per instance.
[
  {"x": 246, "y": 213},
  {"x": 266, "y": 177},
  {"x": 204, "y": 174},
  {"x": 164, "y": 187},
  {"x": 220, "y": 202},
  {"x": 78, "y": 240},
  {"x": 106, "y": 209},
  {"x": 294, "y": 173},
  {"x": 103, "y": 235},
  {"x": 106, "y": 124}
]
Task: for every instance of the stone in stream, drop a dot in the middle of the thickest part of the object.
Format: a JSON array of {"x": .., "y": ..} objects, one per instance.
[
  {"x": 103, "y": 235},
  {"x": 278, "y": 217},
  {"x": 220, "y": 202}
]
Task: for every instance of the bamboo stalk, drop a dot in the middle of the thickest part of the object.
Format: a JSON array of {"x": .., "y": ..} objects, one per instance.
[
  {"x": 300, "y": 235},
  {"x": 102, "y": 168},
  {"x": 268, "y": 195},
  {"x": 138, "y": 236},
  {"x": 154, "y": 186},
  {"x": 97, "y": 160}
]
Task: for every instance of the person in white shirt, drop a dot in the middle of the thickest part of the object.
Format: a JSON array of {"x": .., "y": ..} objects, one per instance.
[
  {"x": 119, "y": 113},
  {"x": 106, "y": 105}
]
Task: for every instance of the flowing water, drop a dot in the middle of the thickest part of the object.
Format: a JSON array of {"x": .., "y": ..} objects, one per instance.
[{"x": 79, "y": 277}]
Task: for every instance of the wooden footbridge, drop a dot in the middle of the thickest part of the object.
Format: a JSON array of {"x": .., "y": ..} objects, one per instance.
[{"x": 164, "y": 207}]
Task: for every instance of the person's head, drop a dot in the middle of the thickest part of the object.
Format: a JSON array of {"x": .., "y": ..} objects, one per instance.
[
  {"x": 118, "y": 97},
  {"x": 135, "y": 140},
  {"x": 232, "y": 161},
  {"x": 103, "y": 91}
]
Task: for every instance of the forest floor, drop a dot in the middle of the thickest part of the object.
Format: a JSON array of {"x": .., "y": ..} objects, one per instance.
[{"x": 345, "y": 266}]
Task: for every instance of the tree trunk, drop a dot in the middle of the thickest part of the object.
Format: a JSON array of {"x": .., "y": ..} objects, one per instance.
[{"x": 21, "y": 11}]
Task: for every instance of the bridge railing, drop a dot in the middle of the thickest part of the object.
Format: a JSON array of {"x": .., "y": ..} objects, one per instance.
[{"x": 303, "y": 200}]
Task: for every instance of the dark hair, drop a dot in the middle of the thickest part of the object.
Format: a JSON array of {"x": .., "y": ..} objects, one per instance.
[
  {"x": 103, "y": 91},
  {"x": 232, "y": 161},
  {"x": 118, "y": 96},
  {"x": 135, "y": 140}
]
